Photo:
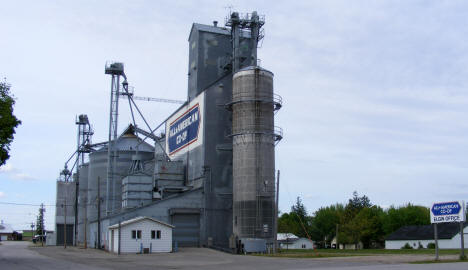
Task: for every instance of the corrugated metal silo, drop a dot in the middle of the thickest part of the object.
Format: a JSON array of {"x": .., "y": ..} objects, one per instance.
[
  {"x": 97, "y": 169},
  {"x": 253, "y": 154},
  {"x": 82, "y": 201},
  {"x": 126, "y": 147}
]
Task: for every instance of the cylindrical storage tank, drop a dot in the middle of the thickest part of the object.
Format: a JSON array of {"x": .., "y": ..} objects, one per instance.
[
  {"x": 253, "y": 154},
  {"x": 82, "y": 201},
  {"x": 126, "y": 148},
  {"x": 97, "y": 172}
]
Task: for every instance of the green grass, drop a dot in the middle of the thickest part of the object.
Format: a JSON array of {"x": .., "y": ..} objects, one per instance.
[
  {"x": 323, "y": 253},
  {"x": 306, "y": 255},
  {"x": 27, "y": 234}
]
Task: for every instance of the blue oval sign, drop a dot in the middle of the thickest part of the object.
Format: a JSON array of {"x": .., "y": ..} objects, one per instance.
[{"x": 448, "y": 208}]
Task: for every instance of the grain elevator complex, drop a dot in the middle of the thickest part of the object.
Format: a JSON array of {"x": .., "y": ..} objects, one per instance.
[{"x": 208, "y": 170}]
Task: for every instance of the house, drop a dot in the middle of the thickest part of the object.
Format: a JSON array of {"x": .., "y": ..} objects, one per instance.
[
  {"x": 140, "y": 235},
  {"x": 6, "y": 232},
  {"x": 359, "y": 245},
  {"x": 421, "y": 236},
  {"x": 291, "y": 241}
]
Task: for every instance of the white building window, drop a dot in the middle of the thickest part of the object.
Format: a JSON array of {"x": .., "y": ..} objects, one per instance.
[
  {"x": 156, "y": 234},
  {"x": 136, "y": 234}
]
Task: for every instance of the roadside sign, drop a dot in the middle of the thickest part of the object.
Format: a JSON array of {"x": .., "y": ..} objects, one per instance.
[{"x": 448, "y": 212}]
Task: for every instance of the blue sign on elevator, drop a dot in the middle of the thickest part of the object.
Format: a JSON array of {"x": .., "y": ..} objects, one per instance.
[{"x": 184, "y": 130}]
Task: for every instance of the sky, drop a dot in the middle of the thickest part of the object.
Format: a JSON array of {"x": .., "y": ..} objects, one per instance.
[{"x": 375, "y": 93}]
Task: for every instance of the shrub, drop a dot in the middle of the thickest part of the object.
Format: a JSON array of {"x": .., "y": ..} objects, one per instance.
[
  {"x": 431, "y": 245},
  {"x": 407, "y": 246}
]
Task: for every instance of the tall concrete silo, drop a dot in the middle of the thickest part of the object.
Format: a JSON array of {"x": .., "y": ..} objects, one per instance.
[{"x": 254, "y": 139}]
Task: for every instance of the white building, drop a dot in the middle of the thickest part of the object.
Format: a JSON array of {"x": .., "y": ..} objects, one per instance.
[
  {"x": 291, "y": 241},
  {"x": 6, "y": 231},
  {"x": 421, "y": 236},
  {"x": 359, "y": 245},
  {"x": 140, "y": 235}
]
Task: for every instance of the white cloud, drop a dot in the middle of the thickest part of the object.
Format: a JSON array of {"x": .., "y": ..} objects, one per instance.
[
  {"x": 15, "y": 173},
  {"x": 7, "y": 168},
  {"x": 23, "y": 176},
  {"x": 2, "y": 194}
]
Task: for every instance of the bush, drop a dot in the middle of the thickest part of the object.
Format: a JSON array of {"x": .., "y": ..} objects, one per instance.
[
  {"x": 407, "y": 246},
  {"x": 431, "y": 245}
]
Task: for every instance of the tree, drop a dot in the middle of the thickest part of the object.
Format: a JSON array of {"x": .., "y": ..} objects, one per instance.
[
  {"x": 8, "y": 121},
  {"x": 361, "y": 221},
  {"x": 299, "y": 209},
  {"x": 296, "y": 222},
  {"x": 40, "y": 221},
  {"x": 406, "y": 215},
  {"x": 299, "y": 214},
  {"x": 325, "y": 221},
  {"x": 287, "y": 223},
  {"x": 357, "y": 203},
  {"x": 369, "y": 226}
]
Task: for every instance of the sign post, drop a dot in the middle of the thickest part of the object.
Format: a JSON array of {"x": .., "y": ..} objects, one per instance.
[
  {"x": 436, "y": 238},
  {"x": 445, "y": 212},
  {"x": 462, "y": 254}
]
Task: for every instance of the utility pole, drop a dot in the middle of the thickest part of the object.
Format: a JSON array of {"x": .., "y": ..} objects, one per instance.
[
  {"x": 77, "y": 187},
  {"x": 85, "y": 226},
  {"x": 276, "y": 211},
  {"x": 42, "y": 210},
  {"x": 32, "y": 230},
  {"x": 120, "y": 236},
  {"x": 65, "y": 224},
  {"x": 336, "y": 236},
  {"x": 99, "y": 211}
]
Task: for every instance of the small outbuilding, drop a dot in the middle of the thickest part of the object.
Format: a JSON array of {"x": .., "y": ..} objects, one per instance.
[
  {"x": 140, "y": 235},
  {"x": 6, "y": 232},
  {"x": 421, "y": 236},
  {"x": 291, "y": 241}
]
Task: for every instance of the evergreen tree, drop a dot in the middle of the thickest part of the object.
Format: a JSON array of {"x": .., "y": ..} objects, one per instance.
[{"x": 40, "y": 221}]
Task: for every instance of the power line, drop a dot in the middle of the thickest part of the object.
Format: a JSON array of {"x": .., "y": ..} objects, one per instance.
[
  {"x": 25, "y": 204},
  {"x": 51, "y": 205}
]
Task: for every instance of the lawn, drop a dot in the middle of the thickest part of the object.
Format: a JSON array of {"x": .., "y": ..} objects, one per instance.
[{"x": 321, "y": 253}]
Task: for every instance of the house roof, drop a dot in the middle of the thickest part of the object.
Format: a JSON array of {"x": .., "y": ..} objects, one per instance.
[
  {"x": 137, "y": 219},
  {"x": 426, "y": 232},
  {"x": 6, "y": 228},
  {"x": 286, "y": 236}
]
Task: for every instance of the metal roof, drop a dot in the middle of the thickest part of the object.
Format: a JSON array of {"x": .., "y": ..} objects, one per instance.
[
  {"x": 210, "y": 29},
  {"x": 426, "y": 232},
  {"x": 286, "y": 236},
  {"x": 6, "y": 228},
  {"x": 128, "y": 141},
  {"x": 216, "y": 30},
  {"x": 137, "y": 219}
]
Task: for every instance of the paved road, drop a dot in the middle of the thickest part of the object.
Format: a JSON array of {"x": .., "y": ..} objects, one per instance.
[{"x": 17, "y": 255}]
